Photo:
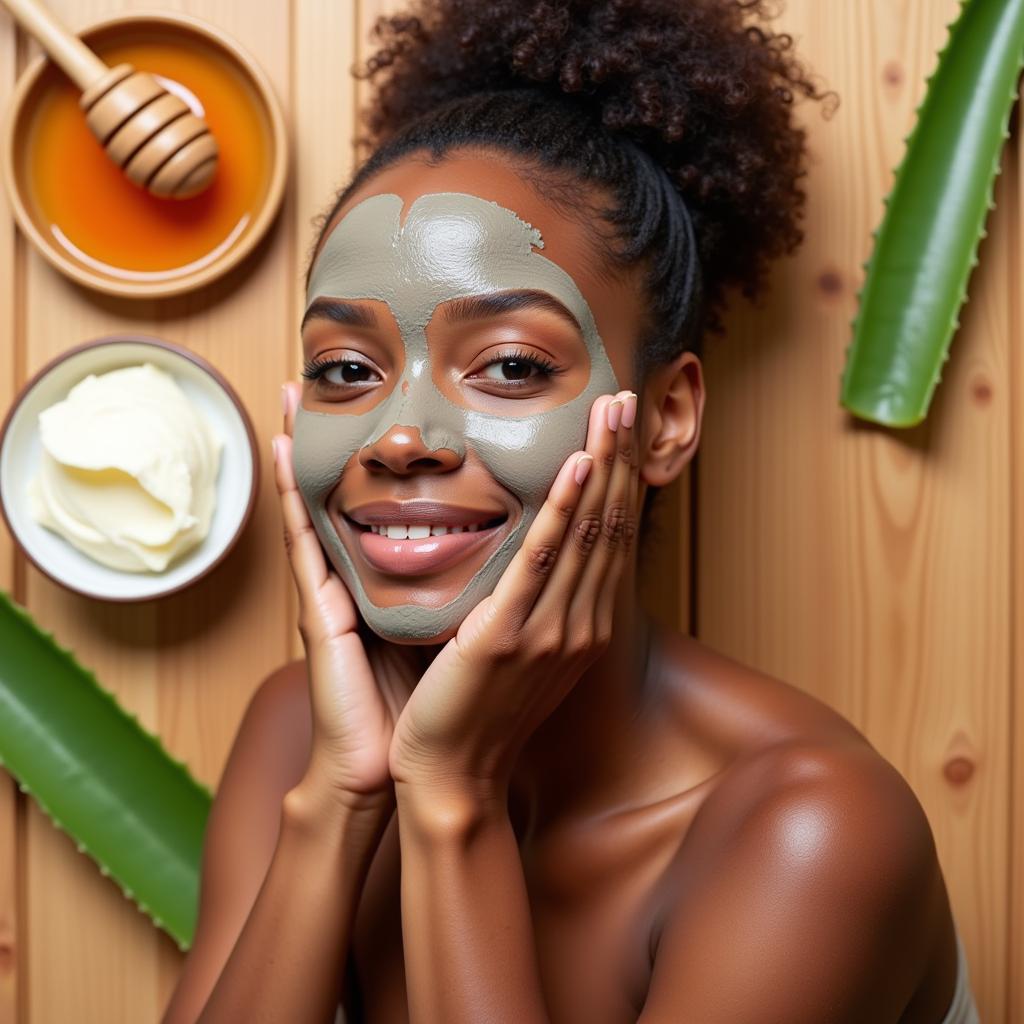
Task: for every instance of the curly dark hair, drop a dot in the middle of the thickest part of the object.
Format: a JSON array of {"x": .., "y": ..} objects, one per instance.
[{"x": 649, "y": 100}]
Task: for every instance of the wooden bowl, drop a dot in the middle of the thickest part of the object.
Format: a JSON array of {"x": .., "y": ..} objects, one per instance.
[
  {"x": 212, "y": 249},
  {"x": 21, "y": 450}
]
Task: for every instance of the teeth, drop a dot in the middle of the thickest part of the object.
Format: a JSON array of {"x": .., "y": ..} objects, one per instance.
[{"x": 419, "y": 531}]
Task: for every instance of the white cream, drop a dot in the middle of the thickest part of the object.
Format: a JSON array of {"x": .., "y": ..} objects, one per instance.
[{"x": 129, "y": 469}]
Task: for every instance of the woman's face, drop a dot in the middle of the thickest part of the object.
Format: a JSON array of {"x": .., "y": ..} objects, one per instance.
[{"x": 457, "y": 331}]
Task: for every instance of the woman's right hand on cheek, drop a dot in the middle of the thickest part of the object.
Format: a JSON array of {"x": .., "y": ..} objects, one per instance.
[{"x": 353, "y": 718}]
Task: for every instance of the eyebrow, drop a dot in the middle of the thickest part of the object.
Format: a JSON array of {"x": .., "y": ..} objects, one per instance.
[
  {"x": 339, "y": 312},
  {"x": 476, "y": 307}
]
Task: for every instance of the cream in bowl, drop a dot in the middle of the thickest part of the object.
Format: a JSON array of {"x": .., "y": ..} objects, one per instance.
[{"x": 128, "y": 468}]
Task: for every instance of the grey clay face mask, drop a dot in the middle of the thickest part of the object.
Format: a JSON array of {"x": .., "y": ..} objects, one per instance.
[{"x": 451, "y": 246}]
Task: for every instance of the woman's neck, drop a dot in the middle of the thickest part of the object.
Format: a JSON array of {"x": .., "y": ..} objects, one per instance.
[{"x": 582, "y": 760}]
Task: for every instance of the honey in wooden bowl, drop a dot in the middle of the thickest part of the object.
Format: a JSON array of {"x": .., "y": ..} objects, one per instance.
[{"x": 109, "y": 233}]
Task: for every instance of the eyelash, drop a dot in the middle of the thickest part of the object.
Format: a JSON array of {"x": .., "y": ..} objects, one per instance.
[
  {"x": 546, "y": 367},
  {"x": 314, "y": 368}
]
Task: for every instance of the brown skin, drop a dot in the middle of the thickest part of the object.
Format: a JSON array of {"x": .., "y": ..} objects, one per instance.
[{"x": 660, "y": 833}]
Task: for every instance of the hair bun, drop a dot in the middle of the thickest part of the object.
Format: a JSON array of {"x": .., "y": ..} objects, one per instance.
[{"x": 703, "y": 86}]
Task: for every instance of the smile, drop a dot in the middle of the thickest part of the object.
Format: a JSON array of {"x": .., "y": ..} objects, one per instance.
[{"x": 407, "y": 541}]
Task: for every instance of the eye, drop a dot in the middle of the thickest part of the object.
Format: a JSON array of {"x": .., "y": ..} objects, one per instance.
[
  {"x": 509, "y": 369},
  {"x": 340, "y": 373},
  {"x": 349, "y": 372},
  {"x": 517, "y": 369}
]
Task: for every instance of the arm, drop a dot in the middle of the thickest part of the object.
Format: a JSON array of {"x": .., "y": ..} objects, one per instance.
[
  {"x": 260, "y": 818},
  {"x": 806, "y": 897},
  {"x": 470, "y": 954},
  {"x": 288, "y": 962},
  {"x": 295, "y": 859}
]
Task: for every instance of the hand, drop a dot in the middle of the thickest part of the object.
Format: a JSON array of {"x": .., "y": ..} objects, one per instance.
[
  {"x": 356, "y": 693},
  {"x": 521, "y": 650}
]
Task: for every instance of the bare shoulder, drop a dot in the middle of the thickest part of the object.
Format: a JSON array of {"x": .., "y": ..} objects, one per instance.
[
  {"x": 809, "y": 884},
  {"x": 285, "y": 685},
  {"x": 809, "y": 876},
  {"x": 283, "y": 699},
  {"x": 793, "y": 760},
  {"x": 822, "y": 804}
]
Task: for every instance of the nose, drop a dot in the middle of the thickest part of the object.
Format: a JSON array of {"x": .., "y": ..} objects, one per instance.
[{"x": 402, "y": 450}]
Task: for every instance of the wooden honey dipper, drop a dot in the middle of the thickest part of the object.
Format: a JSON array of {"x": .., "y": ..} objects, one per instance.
[{"x": 150, "y": 133}]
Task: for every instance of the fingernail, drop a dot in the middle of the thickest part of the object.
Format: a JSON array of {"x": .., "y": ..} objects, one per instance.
[
  {"x": 273, "y": 447},
  {"x": 629, "y": 410},
  {"x": 614, "y": 412},
  {"x": 583, "y": 464},
  {"x": 284, "y": 400}
]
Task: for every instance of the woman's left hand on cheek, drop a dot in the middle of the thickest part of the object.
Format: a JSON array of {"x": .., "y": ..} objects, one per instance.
[{"x": 521, "y": 650}]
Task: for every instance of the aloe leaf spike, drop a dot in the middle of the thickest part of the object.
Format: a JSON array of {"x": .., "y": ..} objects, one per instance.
[
  {"x": 99, "y": 775},
  {"x": 926, "y": 246}
]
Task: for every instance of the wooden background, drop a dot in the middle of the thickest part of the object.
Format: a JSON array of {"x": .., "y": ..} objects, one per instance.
[{"x": 881, "y": 570}]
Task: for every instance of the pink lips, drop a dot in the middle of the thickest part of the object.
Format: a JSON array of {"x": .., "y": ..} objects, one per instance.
[
  {"x": 413, "y": 557},
  {"x": 417, "y": 556}
]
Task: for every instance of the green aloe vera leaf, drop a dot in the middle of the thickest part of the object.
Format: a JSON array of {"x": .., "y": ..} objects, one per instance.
[
  {"x": 99, "y": 775},
  {"x": 927, "y": 243}
]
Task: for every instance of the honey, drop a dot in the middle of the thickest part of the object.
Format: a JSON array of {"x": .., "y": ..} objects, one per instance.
[{"x": 104, "y": 221}]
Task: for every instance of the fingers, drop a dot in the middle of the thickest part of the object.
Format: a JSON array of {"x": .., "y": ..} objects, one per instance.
[
  {"x": 599, "y": 577},
  {"x": 291, "y": 395},
  {"x": 596, "y": 527},
  {"x": 309, "y": 567},
  {"x": 525, "y": 577},
  {"x": 580, "y": 533}
]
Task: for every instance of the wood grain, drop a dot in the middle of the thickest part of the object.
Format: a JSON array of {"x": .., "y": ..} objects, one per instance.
[
  {"x": 1011, "y": 212},
  {"x": 874, "y": 568},
  {"x": 870, "y": 566},
  {"x": 214, "y": 641},
  {"x": 12, "y": 802},
  {"x": 323, "y": 120}
]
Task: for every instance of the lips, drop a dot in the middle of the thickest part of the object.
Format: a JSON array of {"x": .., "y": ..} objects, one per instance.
[{"x": 441, "y": 534}]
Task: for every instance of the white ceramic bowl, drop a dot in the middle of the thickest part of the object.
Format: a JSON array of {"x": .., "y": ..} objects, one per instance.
[{"x": 21, "y": 453}]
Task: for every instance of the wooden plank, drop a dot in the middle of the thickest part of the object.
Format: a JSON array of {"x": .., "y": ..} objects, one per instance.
[
  {"x": 323, "y": 116},
  {"x": 188, "y": 663},
  {"x": 871, "y": 566},
  {"x": 1011, "y": 212},
  {"x": 11, "y": 362},
  {"x": 368, "y": 13}
]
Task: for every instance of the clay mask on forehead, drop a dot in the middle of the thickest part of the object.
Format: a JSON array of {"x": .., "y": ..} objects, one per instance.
[{"x": 450, "y": 246}]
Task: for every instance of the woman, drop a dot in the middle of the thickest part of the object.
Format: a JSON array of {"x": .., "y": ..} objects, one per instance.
[{"x": 493, "y": 790}]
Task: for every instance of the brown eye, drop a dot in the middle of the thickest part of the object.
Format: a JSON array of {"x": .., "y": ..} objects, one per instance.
[
  {"x": 349, "y": 373},
  {"x": 509, "y": 369},
  {"x": 340, "y": 375},
  {"x": 515, "y": 373}
]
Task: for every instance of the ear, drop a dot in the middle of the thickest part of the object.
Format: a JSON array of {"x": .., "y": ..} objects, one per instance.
[{"x": 673, "y": 410}]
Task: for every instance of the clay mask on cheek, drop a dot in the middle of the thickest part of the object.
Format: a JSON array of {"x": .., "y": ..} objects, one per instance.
[{"x": 452, "y": 245}]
